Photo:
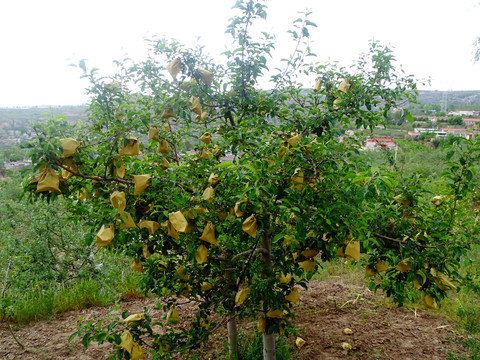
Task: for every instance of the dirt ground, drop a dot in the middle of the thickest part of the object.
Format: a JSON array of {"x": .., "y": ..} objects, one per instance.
[{"x": 379, "y": 330}]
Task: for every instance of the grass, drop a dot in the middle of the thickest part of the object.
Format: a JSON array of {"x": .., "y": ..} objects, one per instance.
[
  {"x": 37, "y": 303},
  {"x": 251, "y": 348}
]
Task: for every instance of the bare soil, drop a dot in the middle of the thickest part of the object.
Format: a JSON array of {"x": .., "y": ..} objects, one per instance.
[{"x": 379, "y": 330}]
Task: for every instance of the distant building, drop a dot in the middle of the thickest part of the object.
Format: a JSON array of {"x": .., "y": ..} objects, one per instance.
[
  {"x": 418, "y": 131},
  {"x": 471, "y": 121},
  {"x": 379, "y": 143},
  {"x": 461, "y": 113},
  {"x": 459, "y": 132}
]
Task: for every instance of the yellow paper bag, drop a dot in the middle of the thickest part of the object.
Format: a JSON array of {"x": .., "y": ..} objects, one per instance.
[
  {"x": 166, "y": 114},
  {"x": 117, "y": 199},
  {"x": 205, "y": 138},
  {"x": 178, "y": 221},
  {"x": 153, "y": 133},
  {"x": 195, "y": 106},
  {"x": 403, "y": 266},
  {"x": 49, "y": 181},
  {"x": 127, "y": 220},
  {"x": 293, "y": 297},
  {"x": 82, "y": 194},
  {"x": 213, "y": 179},
  {"x": 336, "y": 103},
  {"x": 241, "y": 296},
  {"x": 146, "y": 252},
  {"x": 69, "y": 146},
  {"x": 131, "y": 149},
  {"x": 172, "y": 315},
  {"x": 285, "y": 279},
  {"x": 165, "y": 163},
  {"x": 293, "y": 140},
  {"x": 201, "y": 254},
  {"x": 310, "y": 253},
  {"x": 171, "y": 230},
  {"x": 105, "y": 235},
  {"x": 136, "y": 265},
  {"x": 173, "y": 67},
  {"x": 429, "y": 301},
  {"x": 206, "y": 76},
  {"x": 167, "y": 127},
  {"x": 202, "y": 116},
  {"x": 132, "y": 318},
  {"x": 69, "y": 164},
  {"x": 318, "y": 85},
  {"x": 297, "y": 179},
  {"x": 438, "y": 200},
  {"x": 307, "y": 265},
  {"x": 250, "y": 226},
  {"x": 352, "y": 250},
  {"x": 262, "y": 324},
  {"x": 206, "y": 286},
  {"x": 299, "y": 342},
  {"x": 208, "y": 234},
  {"x": 130, "y": 346},
  {"x": 237, "y": 211},
  {"x": 141, "y": 183},
  {"x": 162, "y": 147},
  {"x": 381, "y": 266},
  {"x": 204, "y": 154},
  {"x": 118, "y": 168},
  {"x": 208, "y": 194},
  {"x": 344, "y": 86},
  {"x": 369, "y": 271},
  {"x": 276, "y": 314},
  {"x": 151, "y": 226}
]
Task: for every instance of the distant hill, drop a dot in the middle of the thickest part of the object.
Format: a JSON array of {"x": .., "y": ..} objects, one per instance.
[
  {"x": 15, "y": 122},
  {"x": 463, "y": 100},
  {"x": 19, "y": 118}
]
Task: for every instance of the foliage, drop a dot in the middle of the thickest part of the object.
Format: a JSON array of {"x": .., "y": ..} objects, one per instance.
[
  {"x": 455, "y": 120},
  {"x": 250, "y": 348},
  {"x": 425, "y": 136},
  {"x": 50, "y": 268},
  {"x": 236, "y": 225}
]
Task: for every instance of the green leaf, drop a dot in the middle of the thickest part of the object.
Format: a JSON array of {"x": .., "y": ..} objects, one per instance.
[
  {"x": 224, "y": 164},
  {"x": 278, "y": 237},
  {"x": 86, "y": 340}
]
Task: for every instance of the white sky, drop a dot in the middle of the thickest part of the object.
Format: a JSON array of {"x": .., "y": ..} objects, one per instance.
[{"x": 39, "y": 38}]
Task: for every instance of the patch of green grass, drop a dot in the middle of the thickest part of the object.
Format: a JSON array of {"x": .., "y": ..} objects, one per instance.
[
  {"x": 39, "y": 303},
  {"x": 345, "y": 270},
  {"x": 472, "y": 346},
  {"x": 251, "y": 348}
]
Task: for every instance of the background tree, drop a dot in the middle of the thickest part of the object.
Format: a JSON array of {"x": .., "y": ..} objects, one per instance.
[
  {"x": 236, "y": 225},
  {"x": 455, "y": 120}
]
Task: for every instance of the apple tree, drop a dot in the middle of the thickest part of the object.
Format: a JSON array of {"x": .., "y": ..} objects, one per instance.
[{"x": 226, "y": 195}]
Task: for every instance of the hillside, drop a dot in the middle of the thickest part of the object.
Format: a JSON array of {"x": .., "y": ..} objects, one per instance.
[
  {"x": 19, "y": 118},
  {"x": 463, "y": 100},
  {"x": 15, "y": 122}
]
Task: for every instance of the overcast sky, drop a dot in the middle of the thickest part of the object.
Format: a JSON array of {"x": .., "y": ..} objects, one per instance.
[{"x": 40, "y": 38}]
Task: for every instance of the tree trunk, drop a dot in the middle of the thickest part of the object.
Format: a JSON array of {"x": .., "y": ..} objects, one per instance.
[
  {"x": 269, "y": 346},
  {"x": 268, "y": 339},
  {"x": 232, "y": 336}
]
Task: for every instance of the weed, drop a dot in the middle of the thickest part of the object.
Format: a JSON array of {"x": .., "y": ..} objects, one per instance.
[{"x": 251, "y": 348}]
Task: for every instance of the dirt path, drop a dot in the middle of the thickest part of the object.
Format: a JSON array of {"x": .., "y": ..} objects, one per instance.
[{"x": 379, "y": 331}]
